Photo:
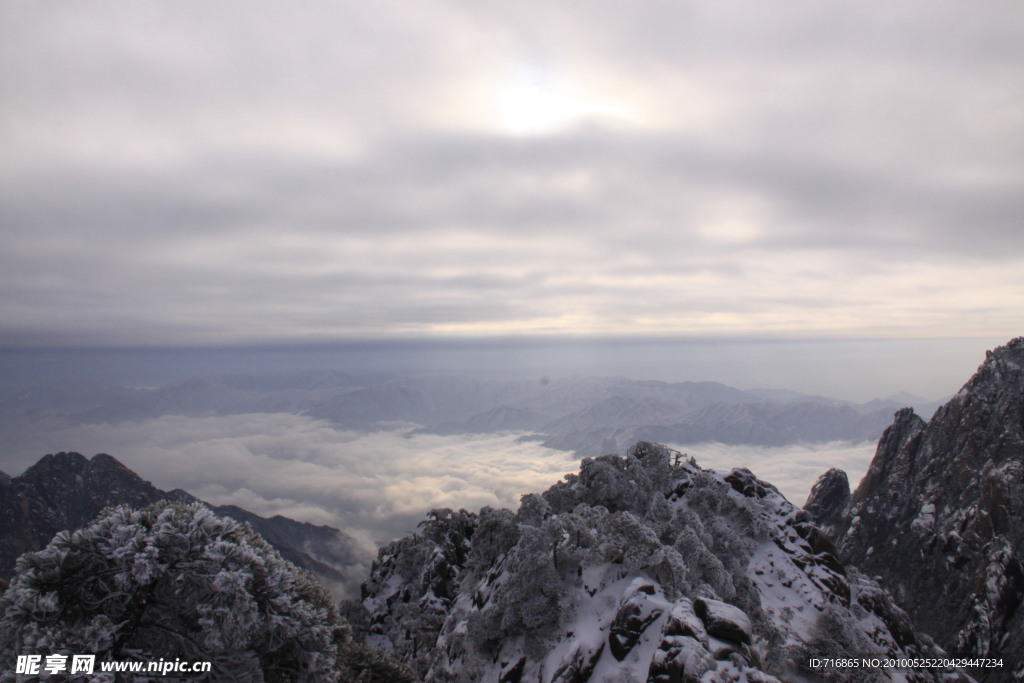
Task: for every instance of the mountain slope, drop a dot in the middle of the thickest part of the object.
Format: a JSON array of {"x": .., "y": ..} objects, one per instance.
[
  {"x": 941, "y": 512},
  {"x": 67, "y": 490},
  {"x": 423, "y": 400},
  {"x": 643, "y": 567}
]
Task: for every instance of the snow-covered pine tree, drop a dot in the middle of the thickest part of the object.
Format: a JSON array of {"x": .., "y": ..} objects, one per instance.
[{"x": 178, "y": 581}]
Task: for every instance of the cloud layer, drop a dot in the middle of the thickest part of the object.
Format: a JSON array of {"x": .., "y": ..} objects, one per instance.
[
  {"x": 377, "y": 486},
  {"x": 374, "y": 486},
  {"x": 184, "y": 172}
]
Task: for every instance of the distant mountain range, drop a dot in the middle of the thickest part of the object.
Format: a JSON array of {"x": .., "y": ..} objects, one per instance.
[
  {"x": 92, "y": 401},
  {"x": 596, "y": 415},
  {"x": 67, "y": 490},
  {"x": 588, "y": 415}
]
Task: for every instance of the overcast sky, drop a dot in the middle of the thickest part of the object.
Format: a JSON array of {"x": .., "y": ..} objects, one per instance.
[{"x": 195, "y": 172}]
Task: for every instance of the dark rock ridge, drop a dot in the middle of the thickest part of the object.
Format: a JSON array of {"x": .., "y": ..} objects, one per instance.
[
  {"x": 67, "y": 490},
  {"x": 940, "y": 514},
  {"x": 641, "y": 568}
]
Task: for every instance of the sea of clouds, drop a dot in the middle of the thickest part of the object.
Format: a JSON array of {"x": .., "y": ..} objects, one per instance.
[{"x": 376, "y": 486}]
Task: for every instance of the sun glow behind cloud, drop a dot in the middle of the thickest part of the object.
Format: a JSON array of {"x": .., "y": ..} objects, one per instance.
[{"x": 536, "y": 101}]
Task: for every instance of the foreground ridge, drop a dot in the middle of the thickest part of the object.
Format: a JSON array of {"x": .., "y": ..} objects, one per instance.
[
  {"x": 173, "y": 582},
  {"x": 65, "y": 491},
  {"x": 640, "y": 567}
]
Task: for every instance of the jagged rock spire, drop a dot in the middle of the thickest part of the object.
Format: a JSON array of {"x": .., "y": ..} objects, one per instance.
[{"x": 828, "y": 500}]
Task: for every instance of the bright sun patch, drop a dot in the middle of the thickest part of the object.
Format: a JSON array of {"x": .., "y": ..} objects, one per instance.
[{"x": 535, "y": 101}]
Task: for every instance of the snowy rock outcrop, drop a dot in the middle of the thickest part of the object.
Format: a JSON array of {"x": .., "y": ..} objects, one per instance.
[
  {"x": 940, "y": 514},
  {"x": 639, "y": 568}
]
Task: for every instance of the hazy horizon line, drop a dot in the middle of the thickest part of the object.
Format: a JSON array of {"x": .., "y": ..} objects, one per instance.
[{"x": 854, "y": 369}]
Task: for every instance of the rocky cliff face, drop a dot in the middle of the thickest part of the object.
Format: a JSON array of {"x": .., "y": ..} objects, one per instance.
[
  {"x": 940, "y": 514},
  {"x": 67, "y": 490},
  {"x": 641, "y": 568}
]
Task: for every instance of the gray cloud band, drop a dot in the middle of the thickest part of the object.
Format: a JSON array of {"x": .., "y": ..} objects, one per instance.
[{"x": 195, "y": 174}]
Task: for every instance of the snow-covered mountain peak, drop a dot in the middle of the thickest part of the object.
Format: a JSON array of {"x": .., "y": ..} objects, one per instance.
[{"x": 640, "y": 567}]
